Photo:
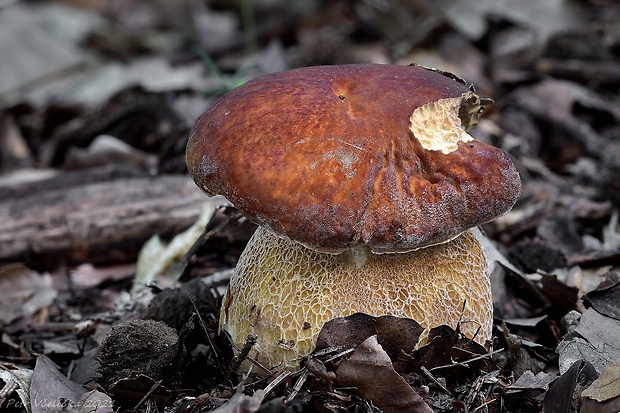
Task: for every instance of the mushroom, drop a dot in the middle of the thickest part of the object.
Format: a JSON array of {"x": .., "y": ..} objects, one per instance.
[{"x": 365, "y": 186}]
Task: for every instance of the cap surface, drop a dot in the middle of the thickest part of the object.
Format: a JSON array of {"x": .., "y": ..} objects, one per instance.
[{"x": 341, "y": 156}]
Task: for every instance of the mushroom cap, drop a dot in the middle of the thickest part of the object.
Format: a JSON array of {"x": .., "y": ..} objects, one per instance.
[
  {"x": 357, "y": 155},
  {"x": 284, "y": 292}
]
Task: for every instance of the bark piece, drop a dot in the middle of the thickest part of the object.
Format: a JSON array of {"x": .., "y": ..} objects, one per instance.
[{"x": 91, "y": 220}]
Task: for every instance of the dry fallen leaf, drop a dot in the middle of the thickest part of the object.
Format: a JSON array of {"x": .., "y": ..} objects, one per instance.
[
  {"x": 453, "y": 356},
  {"x": 16, "y": 380},
  {"x": 131, "y": 390},
  {"x": 563, "y": 393},
  {"x": 605, "y": 298},
  {"x": 23, "y": 292},
  {"x": 607, "y": 386},
  {"x": 51, "y": 391},
  {"x": 601, "y": 331},
  {"x": 531, "y": 381},
  {"x": 46, "y": 39},
  {"x": 526, "y": 355},
  {"x": 369, "y": 372},
  {"x": 241, "y": 403},
  {"x": 105, "y": 150},
  {"x": 545, "y": 18},
  {"x": 574, "y": 349},
  {"x": 89, "y": 276},
  {"x": 398, "y": 336},
  {"x": 157, "y": 258},
  {"x": 592, "y": 406}
]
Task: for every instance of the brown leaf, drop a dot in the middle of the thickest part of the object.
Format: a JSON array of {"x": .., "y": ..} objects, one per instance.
[
  {"x": 592, "y": 406},
  {"x": 242, "y": 403},
  {"x": 51, "y": 391},
  {"x": 458, "y": 357},
  {"x": 130, "y": 391},
  {"x": 526, "y": 355},
  {"x": 603, "y": 395},
  {"x": 531, "y": 381},
  {"x": 573, "y": 349},
  {"x": 605, "y": 298},
  {"x": 607, "y": 386},
  {"x": 398, "y": 336},
  {"x": 565, "y": 390},
  {"x": 370, "y": 373},
  {"x": 23, "y": 292},
  {"x": 88, "y": 276},
  {"x": 564, "y": 296},
  {"x": 601, "y": 331},
  {"x": 525, "y": 322}
]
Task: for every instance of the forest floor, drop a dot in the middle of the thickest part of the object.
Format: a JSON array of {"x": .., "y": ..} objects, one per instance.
[{"x": 113, "y": 264}]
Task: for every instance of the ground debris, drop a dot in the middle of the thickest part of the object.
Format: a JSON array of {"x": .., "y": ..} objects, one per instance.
[{"x": 97, "y": 98}]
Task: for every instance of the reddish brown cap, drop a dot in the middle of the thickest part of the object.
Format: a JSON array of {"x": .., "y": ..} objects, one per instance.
[{"x": 341, "y": 156}]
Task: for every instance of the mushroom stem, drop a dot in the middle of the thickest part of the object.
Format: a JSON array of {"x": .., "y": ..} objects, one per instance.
[
  {"x": 284, "y": 292},
  {"x": 356, "y": 257}
]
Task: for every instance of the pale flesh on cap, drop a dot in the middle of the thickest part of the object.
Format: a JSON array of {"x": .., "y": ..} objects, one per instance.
[{"x": 284, "y": 292}]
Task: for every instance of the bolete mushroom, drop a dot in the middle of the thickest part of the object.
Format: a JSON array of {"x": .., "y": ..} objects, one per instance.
[{"x": 365, "y": 185}]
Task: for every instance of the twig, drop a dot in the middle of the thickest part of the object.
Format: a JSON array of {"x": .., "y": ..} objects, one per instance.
[
  {"x": 218, "y": 278},
  {"x": 465, "y": 362},
  {"x": 462, "y": 322},
  {"x": 339, "y": 355},
  {"x": 483, "y": 405},
  {"x": 205, "y": 329},
  {"x": 148, "y": 394},
  {"x": 325, "y": 351},
  {"x": 213, "y": 227},
  {"x": 434, "y": 380},
  {"x": 275, "y": 382},
  {"x": 297, "y": 386},
  {"x": 473, "y": 391},
  {"x": 243, "y": 354}
]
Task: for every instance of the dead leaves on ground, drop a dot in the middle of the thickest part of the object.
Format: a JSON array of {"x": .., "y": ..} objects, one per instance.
[{"x": 113, "y": 103}]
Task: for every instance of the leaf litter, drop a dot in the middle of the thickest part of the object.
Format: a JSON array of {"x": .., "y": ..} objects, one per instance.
[{"x": 113, "y": 100}]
